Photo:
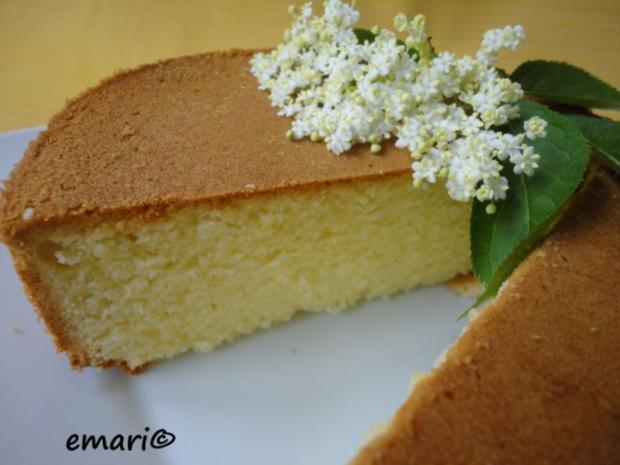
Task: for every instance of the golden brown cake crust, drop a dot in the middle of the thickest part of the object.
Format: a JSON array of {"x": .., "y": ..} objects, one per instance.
[
  {"x": 536, "y": 378},
  {"x": 185, "y": 130},
  {"x": 47, "y": 309}
]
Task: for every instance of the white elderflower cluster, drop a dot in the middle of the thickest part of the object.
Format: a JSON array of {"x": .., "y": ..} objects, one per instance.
[{"x": 343, "y": 87}]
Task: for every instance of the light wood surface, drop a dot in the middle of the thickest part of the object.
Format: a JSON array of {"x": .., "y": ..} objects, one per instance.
[{"x": 50, "y": 50}]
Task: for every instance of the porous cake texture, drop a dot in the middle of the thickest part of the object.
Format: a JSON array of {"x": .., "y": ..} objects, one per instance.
[
  {"x": 136, "y": 291},
  {"x": 165, "y": 211},
  {"x": 535, "y": 379}
]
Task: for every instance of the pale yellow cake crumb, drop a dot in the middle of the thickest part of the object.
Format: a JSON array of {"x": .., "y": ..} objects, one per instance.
[{"x": 201, "y": 276}]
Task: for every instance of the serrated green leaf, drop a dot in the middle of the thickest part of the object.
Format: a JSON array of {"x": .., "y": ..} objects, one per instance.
[
  {"x": 517, "y": 255},
  {"x": 604, "y": 135},
  {"x": 534, "y": 203},
  {"x": 554, "y": 81}
]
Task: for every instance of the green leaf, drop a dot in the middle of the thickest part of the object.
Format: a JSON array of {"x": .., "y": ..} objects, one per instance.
[
  {"x": 604, "y": 135},
  {"x": 502, "y": 72},
  {"x": 534, "y": 203},
  {"x": 364, "y": 35},
  {"x": 554, "y": 81}
]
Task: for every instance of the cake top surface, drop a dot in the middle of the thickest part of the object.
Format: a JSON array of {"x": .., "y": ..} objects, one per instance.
[{"x": 185, "y": 130}]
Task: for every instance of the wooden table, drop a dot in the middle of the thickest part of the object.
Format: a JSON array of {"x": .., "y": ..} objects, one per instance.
[{"x": 50, "y": 50}]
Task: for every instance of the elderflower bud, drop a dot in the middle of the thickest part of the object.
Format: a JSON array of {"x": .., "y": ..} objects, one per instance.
[
  {"x": 400, "y": 22},
  {"x": 490, "y": 209}
]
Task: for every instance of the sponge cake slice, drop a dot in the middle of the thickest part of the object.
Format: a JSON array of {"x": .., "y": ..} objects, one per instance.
[{"x": 165, "y": 211}]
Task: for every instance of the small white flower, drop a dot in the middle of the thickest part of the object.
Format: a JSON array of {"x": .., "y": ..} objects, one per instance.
[
  {"x": 494, "y": 40},
  {"x": 535, "y": 128},
  {"x": 526, "y": 161}
]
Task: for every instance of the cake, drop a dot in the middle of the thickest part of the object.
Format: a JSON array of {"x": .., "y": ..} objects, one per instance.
[
  {"x": 535, "y": 379},
  {"x": 164, "y": 211}
]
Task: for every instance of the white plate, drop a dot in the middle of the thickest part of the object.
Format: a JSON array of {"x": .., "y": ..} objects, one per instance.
[{"x": 304, "y": 393}]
